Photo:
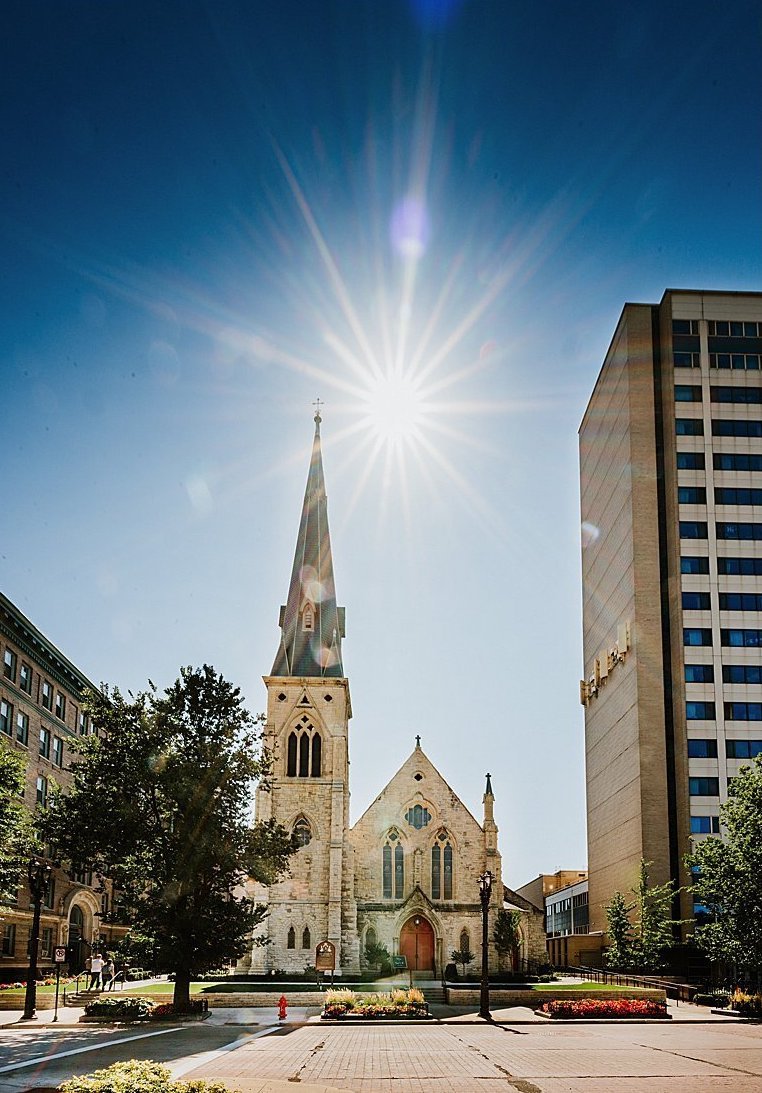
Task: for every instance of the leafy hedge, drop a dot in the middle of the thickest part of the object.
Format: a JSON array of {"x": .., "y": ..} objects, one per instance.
[
  {"x": 126, "y": 1005},
  {"x": 398, "y": 1003},
  {"x": 604, "y": 1007},
  {"x": 132, "y": 1076}
]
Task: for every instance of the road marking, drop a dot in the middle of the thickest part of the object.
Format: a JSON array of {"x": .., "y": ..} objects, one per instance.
[
  {"x": 92, "y": 1047},
  {"x": 192, "y": 1062}
]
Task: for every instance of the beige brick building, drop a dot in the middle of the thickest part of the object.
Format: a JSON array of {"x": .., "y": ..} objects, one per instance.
[
  {"x": 406, "y": 875},
  {"x": 671, "y": 470},
  {"x": 40, "y": 717}
]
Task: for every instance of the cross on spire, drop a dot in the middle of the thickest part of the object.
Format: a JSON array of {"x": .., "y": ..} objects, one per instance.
[
  {"x": 317, "y": 404},
  {"x": 418, "y": 741}
]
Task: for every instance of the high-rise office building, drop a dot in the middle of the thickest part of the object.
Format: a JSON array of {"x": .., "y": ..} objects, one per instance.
[{"x": 671, "y": 505}]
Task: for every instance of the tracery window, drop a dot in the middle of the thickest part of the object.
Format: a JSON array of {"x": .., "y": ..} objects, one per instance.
[
  {"x": 303, "y": 831},
  {"x": 393, "y": 867},
  {"x": 418, "y": 816},
  {"x": 304, "y": 751},
  {"x": 291, "y": 938},
  {"x": 306, "y": 939},
  {"x": 441, "y": 867}
]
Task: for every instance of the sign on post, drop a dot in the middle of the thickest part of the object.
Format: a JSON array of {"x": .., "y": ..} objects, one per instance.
[
  {"x": 399, "y": 963},
  {"x": 325, "y": 957},
  {"x": 59, "y": 955}
]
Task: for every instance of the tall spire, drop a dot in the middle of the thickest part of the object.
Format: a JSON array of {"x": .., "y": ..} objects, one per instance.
[{"x": 312, "y": 626}]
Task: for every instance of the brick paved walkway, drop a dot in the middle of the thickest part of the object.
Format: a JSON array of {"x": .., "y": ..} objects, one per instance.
[{"x": 464, "y": 1058}]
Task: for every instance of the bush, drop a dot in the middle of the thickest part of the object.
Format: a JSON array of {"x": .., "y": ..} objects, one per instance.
[
  {"x": 168, "y": 1009},
  {"x": 399, "y": 1003},
  {"x": 748, "y": 1005},
  {"x": 132, "y": 1076},
  {"x": 603, "y": 1007},
  {"x": 717, "y": 999},
  {"x": 125, "y": 1006}
]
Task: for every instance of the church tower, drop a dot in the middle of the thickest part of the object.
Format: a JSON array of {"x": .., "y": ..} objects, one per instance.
[{"x": 308, "y": 712}]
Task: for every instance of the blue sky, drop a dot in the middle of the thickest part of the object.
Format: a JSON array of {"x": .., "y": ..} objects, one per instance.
[{"x": 428, "y": 214}]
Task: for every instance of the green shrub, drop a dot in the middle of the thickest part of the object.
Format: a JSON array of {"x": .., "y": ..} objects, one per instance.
[
  {"x": 132, "y": 1076},
  {"x": 125, "y": 1006}
]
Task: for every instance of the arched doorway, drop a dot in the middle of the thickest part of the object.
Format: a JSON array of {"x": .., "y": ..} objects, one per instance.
[
  {"x": 417, "y": 944},
  {"x": 77, "y": 942}
]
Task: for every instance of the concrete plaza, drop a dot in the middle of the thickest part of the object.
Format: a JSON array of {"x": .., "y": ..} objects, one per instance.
[{"x": 457, "y": 1053}]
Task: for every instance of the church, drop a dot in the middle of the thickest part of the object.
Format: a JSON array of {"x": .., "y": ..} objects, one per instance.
[{"x": 406, "y": 875}]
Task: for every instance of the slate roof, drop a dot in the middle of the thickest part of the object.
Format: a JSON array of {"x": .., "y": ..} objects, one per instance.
[{"x": 316, "y": 652}]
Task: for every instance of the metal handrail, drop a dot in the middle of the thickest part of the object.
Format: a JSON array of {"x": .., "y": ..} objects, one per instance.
[{"x": 681, "y": 992}]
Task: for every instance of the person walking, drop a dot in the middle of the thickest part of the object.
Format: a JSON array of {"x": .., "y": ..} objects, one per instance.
[{"x": 108, "y": 975}]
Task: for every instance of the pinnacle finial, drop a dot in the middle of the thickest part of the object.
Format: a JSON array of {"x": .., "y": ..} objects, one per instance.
[
  {"x": 488, "y": 791},
  {"x": 418, "y": 741},
  {"x": 317, "y": 404}
]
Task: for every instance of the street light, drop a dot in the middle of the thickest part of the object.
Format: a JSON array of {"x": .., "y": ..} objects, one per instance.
[
  {"x": 485, "y": 891},
  {"x": 38, "y": 873}
]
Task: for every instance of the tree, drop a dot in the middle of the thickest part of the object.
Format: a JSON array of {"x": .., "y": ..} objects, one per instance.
[
  {"x": 728, "y": 874},
  {"x": 462, "y": 957},
  {"x": 378, "y": 957},
  {"x": 16, "y": 830},
  {"x": 507, "y": 935},
  {"x": 641, "y": 944},
  {"x": 160, "y": 803}
]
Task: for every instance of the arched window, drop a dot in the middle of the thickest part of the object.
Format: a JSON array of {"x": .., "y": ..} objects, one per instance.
[
  {"x": 306, "y": 939},
  {"x": 304, "y": 756},
  {"x": 387, "y": 870},
  {"x": 436, "y": 871},
  {"x": 308, "y": 617},
  {"x": 448, "y": 871},
  {"x": 399, "y": 872},
  {"x": 465, "y": 941},
  {"x": 303, "y": 831},
  {"x": 291, "y": 762},
  {"x": 291, "y": 938},
  {"x": 316, "y": 755},
  {"x": 418, "y": 816}
]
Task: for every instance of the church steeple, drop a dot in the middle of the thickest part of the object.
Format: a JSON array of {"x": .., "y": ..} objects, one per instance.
[{"x": 312, "y": 626}]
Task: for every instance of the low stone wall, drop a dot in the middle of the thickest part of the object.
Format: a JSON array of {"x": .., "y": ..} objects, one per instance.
[
  {"x": 44, "y": 1002},
  {"x": 500, "y": 999},
  {"x": 264, "y": 999}
]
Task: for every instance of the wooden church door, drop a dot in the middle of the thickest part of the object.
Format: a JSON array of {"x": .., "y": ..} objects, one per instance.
[{"x": 417, "y": 944}]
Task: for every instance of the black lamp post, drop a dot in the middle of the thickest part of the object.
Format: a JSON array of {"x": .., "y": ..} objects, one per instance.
[
  {"x": 485, "y": 891},
  {"x": 38, "y": 872}
]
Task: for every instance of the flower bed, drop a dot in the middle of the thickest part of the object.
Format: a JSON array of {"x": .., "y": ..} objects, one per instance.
[
  {"x": 599, "y": 1007},
  {"x": 147, "y": 1077},
  {"x": 398, "y": 1004},
  {"x": 746, "y": 1005}
]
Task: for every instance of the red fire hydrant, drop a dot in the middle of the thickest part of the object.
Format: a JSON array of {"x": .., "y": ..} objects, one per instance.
[{"x": 282, "y": 1003}]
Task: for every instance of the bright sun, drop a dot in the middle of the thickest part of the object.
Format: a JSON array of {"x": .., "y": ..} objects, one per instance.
[{"x": 394, "y": 407}]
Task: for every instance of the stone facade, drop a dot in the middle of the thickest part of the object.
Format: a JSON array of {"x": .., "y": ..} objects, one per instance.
[{"x": 406, "y": 876}]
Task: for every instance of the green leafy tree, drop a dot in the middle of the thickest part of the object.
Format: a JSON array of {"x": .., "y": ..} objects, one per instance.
[
  {"x": 16, "y": 829},
  {"x": 161, "y": 804},
  {"x": 378, "y": 957},
  {"x": 507, "y": 935},
  {"x": 728, "y": 875},
  {"x": 641, "y": 944},
  {"x": 462, "y": 957},
  {"x": 619, "y": 929}
]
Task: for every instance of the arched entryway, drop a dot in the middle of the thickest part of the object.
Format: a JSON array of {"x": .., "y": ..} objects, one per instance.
[
  {"x": 78, "y": 945},
  {"x": 417, "y": 944}
]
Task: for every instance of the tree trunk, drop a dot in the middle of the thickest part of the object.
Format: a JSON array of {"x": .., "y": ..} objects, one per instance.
[{"x": 181, "y": 997}]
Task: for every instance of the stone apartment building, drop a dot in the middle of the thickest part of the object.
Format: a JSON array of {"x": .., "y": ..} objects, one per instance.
[
  {"x": 40, "y": 716},
  {"x": 406, "y": 874}
]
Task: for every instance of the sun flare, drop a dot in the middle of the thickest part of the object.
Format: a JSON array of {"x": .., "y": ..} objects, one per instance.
[{"x": 394, "y": 408}]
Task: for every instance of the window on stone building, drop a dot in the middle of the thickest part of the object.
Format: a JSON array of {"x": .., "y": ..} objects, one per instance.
[
  {"x": 61, "y": 705},
  {"x": 399, "y": 872},
  {"x": 387, "y": 871},
  {"x": 9, "y": 939},
  {"x": 418, "y": 816},
  {"x": 25, "y": 678},
  {"x": 47, "y": 695},
  {"x": 306, "y": 938},
  {"x": 447, "y": 871},
  {"x": 303, "y": 831},
  {"x": 441, "y": 867},
  {"x": 6, "y": 718},
  {"x": 9, "y": 665},
  {"x": 465, "y": 941},
  {"x": 58, "y": 751},
  {"x": 308, "y": 617},
  {"x": 291, "y": 938},
  {"x": 42, "y": 790},
  {"x": 46, "y": 941},
  {"x": 304, "y": 752},
  {"x": 45, "y": 743},
  {"x": 436, "y": 871},
  {"x": 22, "y": 728}
]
